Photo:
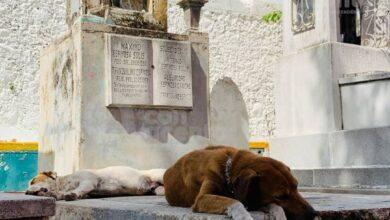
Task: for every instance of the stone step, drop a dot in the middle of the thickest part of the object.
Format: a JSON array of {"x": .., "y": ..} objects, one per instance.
[
  {"x": 349, "y": 148},
  {"x": 345, "y": 191},
  {"x": 330, "y": 206},
  {"x": 355, "y": 178},
  {"x": 142, "y": 207},
  {"x": 18, "y": 206}
]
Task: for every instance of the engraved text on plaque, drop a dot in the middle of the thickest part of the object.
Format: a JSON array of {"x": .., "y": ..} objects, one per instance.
[{"x": 145, "y": 72}]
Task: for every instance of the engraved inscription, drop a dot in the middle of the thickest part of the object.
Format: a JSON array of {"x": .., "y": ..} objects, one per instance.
[
  {"x": 172, "y": 74},
  {"x": 147, "y": 72},
  {"x": 131, "y": 73}
]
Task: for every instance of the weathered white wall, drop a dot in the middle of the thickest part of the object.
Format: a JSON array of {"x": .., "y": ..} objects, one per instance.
[
  {"x": 25, "y": 27},
  {"x": 242, "y": 47}
]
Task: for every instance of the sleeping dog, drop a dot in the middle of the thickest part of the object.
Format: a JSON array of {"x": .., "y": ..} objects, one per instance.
[
  {"x": 224, "y": 180},
  {"x": 111, "y": 181}
]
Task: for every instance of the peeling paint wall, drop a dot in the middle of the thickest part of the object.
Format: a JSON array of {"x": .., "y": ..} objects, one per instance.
[{"x": 242, "y": 47}]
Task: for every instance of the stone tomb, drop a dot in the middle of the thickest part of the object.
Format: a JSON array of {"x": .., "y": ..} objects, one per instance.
[
  {"x": 146, "y": 72},
  {"x": 151, "y": 125},
  {"x": 332, "y": 96}
]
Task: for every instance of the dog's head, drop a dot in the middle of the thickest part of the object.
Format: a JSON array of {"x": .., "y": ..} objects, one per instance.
[
  {"x": 43, "y": 184},
  {"x": 262, "y": 181}
]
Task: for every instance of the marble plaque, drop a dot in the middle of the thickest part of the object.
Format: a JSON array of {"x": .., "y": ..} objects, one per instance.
[
  {"x": 145, "y": 72},
  {"x": 172, "y": 73},
  {"x": 130, "y": 73}
]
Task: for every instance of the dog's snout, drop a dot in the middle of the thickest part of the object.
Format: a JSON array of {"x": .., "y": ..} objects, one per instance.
[{"x": 43, "y": 189}]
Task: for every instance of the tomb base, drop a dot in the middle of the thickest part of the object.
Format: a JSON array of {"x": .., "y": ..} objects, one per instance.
[
  {"x": 332, "y": 115},
  {"x": 77, "y": 128}
]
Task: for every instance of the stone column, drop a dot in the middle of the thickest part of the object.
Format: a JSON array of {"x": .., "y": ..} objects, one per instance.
[{"x": 192, "y": 9}]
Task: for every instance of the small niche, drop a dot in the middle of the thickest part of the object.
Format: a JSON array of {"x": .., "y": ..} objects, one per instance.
[
  {"x": 350, "y": 22},
  {"x": 137, "y": 5}
]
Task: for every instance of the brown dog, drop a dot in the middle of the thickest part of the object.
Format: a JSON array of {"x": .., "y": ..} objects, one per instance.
[{"x": 222, "y": 180}]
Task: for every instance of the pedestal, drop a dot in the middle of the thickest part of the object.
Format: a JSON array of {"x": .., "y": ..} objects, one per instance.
[
  {"x": 145, "y": 126},
  {"x": 331, "y": 103}
]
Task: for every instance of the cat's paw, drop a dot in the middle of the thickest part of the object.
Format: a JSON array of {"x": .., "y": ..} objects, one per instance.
[
  {"x": 159, "y": 191},
  {"x": 70, "y": 197}
]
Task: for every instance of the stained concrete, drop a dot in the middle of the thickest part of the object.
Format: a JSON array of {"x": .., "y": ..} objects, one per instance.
[
  {"x": 331, "y": 206},
  {"x": 21, "y": 206},
  {"x": 145, "y": 208}
]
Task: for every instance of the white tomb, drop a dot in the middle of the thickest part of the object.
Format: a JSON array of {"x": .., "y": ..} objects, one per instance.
[{"x": 332, "y": 98}]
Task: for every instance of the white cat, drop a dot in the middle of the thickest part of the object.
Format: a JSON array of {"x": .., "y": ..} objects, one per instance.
[{"x": 111, "y": 181}]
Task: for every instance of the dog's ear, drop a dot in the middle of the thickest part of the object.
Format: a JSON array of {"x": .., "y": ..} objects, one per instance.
[
  {"x": 50, "y": 174},
  {"x": 243, "y": 182}
]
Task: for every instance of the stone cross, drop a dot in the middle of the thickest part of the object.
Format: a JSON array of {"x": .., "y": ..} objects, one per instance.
[{"x": 192, "y": 9}]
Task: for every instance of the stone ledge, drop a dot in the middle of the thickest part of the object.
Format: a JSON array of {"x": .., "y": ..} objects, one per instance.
[
  {"x": 337, "y": 190},
  {"x": 143, "y": 207},
  {"x": 364, "y": 77},
  {"x": 362, "y": 148},
  {"x": 330, "y": 206},
  {"x": 22, "y": 206},
  {"x": 350, "y": 206},
  {"x": 354, "y": 178}
]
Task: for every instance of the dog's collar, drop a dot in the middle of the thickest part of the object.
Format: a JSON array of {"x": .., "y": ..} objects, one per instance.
[{"x": 228, "y": 171}]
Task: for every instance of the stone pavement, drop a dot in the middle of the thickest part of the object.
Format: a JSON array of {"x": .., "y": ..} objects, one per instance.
[
  {"x": 14, "y": 205},
  {"x": 331, "y": 206}
]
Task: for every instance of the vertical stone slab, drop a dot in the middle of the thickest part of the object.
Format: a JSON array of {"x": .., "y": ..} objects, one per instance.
[
  {"x": 229, "y": 116},
  {"x": 129, "y": 71},
  {"x": 172, "y": 74}
]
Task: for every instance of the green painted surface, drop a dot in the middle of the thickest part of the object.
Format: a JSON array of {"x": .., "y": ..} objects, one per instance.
[{"x": 17, "y": 169}]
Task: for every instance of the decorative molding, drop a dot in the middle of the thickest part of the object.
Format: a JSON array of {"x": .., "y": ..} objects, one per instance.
[
  {"x": 375, "y": 21},
  {"x": 303, "y": 15}
]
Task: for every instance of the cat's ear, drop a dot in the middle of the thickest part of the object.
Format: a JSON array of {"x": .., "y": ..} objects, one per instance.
[{"x": 50, "y": 174}]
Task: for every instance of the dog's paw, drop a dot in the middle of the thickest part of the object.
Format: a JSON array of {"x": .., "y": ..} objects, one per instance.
[
  {"x": 237, "y": 211},
  {"x": 70, "y": 197},
  {"x": 277, "y": 212},
  {"x": 159, "y": 191}
]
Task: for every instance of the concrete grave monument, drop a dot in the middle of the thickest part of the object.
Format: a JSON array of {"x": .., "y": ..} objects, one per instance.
[
  {"x": 332, "y": 93},
  {"x": 119, "y": 90}
]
